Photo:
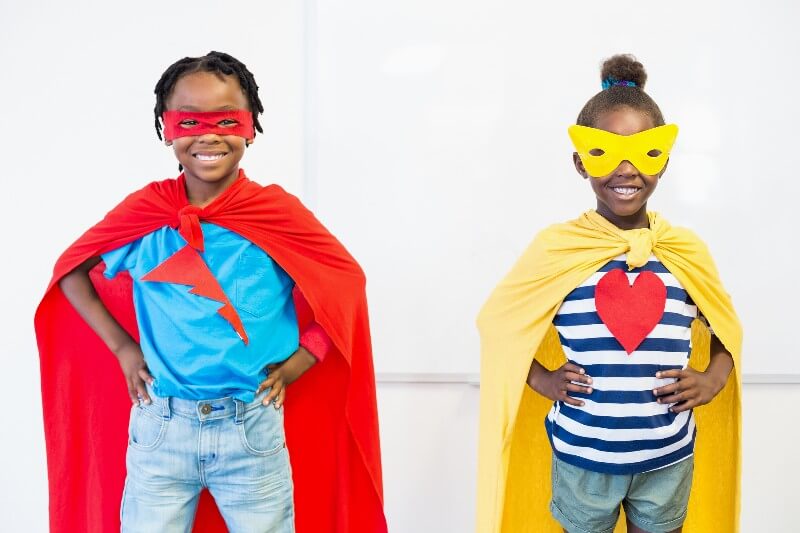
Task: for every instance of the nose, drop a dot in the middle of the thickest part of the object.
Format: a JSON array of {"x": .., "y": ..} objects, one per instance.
[
  {"x": 209, "y": 138},
  {"x": 626, "y": 168}
]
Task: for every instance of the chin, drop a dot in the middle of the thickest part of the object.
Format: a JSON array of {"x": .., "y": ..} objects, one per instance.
[
  {"x": 624, "y": 210},
  {"x": 211, "y": 177}
]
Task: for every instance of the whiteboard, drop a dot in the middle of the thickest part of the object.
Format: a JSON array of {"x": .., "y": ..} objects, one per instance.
[{"x": 440, "y": 148}]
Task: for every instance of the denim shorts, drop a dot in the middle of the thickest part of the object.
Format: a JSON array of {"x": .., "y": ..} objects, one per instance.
[
  {"x": 588, "y": 502},
  {"x": 177, "y": 448}
]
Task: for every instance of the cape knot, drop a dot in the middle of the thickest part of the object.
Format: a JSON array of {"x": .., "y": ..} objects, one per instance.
[
  {"x": 189, "y": 226},
  {"x": 190, "y": 210},
  {"x": 640, "y": 245}
]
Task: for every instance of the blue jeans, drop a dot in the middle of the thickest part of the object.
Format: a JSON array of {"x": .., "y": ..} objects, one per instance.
[{"x": 177, "y": 448}]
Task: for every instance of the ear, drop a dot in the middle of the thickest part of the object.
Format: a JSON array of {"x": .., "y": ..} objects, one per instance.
[
  {"x": 576, "y": 160},
  {"x": 167, "y": 143},
  {"x": 248, "y": 142}
]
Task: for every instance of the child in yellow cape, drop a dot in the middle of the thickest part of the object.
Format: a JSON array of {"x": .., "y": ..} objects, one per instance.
[{"x": 613, "y": 369}]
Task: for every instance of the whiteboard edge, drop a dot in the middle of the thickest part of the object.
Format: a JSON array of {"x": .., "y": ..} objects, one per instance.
[{"x": 474, "y": 379}]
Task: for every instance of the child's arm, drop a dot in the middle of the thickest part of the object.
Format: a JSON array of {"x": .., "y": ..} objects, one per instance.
[
  {"x": 558, "y": 383},
  {"x": 695, "y": 388},
  {"x": 78, "y": 289}
]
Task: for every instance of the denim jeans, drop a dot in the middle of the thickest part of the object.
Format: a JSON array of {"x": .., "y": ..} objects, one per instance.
[{"x": 177, "y": 448}]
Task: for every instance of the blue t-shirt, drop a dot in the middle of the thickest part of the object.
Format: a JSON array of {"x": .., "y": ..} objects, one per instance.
[{"x": 191, "y": 351}]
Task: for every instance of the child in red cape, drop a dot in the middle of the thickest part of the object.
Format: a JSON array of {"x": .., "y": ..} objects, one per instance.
[{"x": 209, "y": 107}]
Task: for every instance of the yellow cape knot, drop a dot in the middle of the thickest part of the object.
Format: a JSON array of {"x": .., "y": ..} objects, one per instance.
[{"x": 640, "y": 245}]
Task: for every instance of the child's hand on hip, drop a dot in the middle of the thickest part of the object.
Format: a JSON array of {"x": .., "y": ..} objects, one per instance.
[
  {"x": 131, "y": 360},
  {"x": 558, "y": 383},
  {"x": 692, "y": 388},
  {"x": 281, "y": 375}
]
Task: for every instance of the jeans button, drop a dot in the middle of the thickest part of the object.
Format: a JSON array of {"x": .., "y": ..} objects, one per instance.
[{"x": 205, "y": 408}]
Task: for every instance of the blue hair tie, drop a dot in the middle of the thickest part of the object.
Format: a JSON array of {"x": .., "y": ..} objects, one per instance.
[{"x": 614, "y": 82}]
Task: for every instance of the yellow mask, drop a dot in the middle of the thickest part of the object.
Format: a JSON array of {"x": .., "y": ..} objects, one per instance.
[{"x": 647, "y": 150}]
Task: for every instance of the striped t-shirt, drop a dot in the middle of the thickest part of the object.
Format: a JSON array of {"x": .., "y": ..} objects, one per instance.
[{"x": 621, "y": 429}]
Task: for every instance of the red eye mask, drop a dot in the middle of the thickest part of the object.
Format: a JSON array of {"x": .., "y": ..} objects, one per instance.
[{"x": 237, "y": 122}]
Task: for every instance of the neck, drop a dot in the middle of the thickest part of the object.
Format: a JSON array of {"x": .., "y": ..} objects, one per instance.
[
  {"x": 636, "y": 220},
  {"x": 201, "y": 193}
]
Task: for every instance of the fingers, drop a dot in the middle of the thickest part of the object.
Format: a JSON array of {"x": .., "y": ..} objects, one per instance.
[
  {"x": 267, "y": 383},
  {"x": 579, "y": 378},
  {"x": 137, "y": 390},
  {"x": 132, "y": 394},
  {"x": 574, "y": 380},
  {"x": 667, "y": 389},
  {"x": 676, "y": 373},
  {"x": 684, "y": 406},
  {"x": 670, "y": 393},
  {"x": 145, "y": 375},
  {"x": 569, "y": 400},
  {"x": 572, "y": 387},
  {"x": 682, "y": 394},
  {"x": 273, "y": 394},
  {"x": 572, "y": 367},
  {"x": 683, "y": 382},
  {"x": 674, "y": 398},
  {"x": 281, "y": 397}
]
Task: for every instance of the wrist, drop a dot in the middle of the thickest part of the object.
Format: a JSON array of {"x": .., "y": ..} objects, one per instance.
[
  {"x": 121, "y": 347},
  {"x": 537, "y": 376},
  {"x": 718, "y": 378},
  {"x": 719, "y": 383},
  {"x": 305, "y": 357}
]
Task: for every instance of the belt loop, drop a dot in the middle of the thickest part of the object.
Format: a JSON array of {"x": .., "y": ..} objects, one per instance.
[
  {"x": 239, "y": 418},
  {"x": 166, "y": 411}
]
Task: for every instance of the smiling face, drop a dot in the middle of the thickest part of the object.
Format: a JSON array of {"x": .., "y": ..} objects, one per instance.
[
  {"x": 622, "y": 195},
  {"x": 210, "y": 161}
]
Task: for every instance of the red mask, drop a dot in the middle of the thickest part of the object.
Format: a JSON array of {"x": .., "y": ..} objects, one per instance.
[{"x": 237, "y": 122}]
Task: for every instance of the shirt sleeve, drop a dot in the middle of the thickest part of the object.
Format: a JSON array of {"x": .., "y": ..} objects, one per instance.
[
  {"x": 316, "y": 341},
  {"x": 313, "y": 338},
  {"x": 120, "y": 259}
]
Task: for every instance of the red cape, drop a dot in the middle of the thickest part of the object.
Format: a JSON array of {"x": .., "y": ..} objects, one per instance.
[{"x": 331, "y": 415}]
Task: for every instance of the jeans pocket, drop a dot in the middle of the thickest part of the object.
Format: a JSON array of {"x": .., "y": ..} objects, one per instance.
[
  {"x": 261, "y": 431},
  {"x": 146, "y": 429}
]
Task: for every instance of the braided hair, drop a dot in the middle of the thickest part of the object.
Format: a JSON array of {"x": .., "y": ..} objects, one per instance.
[
  {"x": 623, "y": 80},
  {"x": 219, "y": 63}
]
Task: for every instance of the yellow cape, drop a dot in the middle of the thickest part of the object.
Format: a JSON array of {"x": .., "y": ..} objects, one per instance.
[{"x": 516, "y": 324}]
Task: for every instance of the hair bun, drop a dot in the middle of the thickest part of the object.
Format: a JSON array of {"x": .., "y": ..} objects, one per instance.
[{"x": 623, "y": 69}]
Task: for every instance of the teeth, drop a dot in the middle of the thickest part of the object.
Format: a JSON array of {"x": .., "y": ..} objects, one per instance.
[
  {"x": 625, "y": 190},
  {"x": 204, "y": 157}
]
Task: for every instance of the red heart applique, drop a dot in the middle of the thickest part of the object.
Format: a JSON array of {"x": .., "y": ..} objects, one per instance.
[{"x": 630, "y": 312}]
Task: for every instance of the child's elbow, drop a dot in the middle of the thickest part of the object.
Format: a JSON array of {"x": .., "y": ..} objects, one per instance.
[{"x": 78, "y": 273}]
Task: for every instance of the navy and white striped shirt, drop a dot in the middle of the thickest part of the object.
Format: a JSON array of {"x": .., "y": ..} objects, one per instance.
[{"x": 621, "y": 429}]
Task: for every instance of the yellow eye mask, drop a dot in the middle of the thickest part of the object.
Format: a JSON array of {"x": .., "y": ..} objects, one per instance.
[{"x": 602, "y": 151}]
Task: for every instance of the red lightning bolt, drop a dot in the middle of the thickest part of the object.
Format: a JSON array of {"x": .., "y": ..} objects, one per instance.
[{"x": 186, "y": 267}]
